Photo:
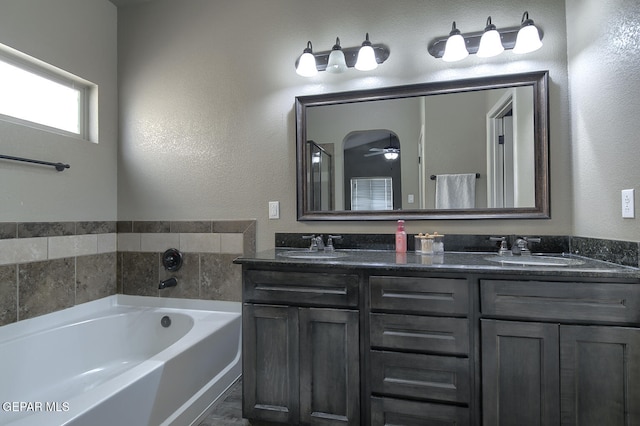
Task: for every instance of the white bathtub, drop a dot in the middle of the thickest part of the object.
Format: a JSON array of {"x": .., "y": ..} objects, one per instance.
[{"x": 111, "y": 362}]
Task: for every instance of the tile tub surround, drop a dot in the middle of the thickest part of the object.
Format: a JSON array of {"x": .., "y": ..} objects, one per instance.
[
  {"x": 48, "y": 266},
  {"x": 626, "y": 253},
  {"x": 208, "y": 248}
]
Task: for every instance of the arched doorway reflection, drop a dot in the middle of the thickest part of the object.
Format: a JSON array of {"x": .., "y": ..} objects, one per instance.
[{"x": 372, "y": 170}]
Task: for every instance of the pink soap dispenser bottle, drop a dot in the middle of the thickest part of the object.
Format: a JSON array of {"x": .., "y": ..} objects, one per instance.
[{"x": 401, "y": 238}]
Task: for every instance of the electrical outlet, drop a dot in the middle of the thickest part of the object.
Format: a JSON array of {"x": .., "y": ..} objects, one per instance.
[
  {"x": 628, "y": 202},
  {"x": 410, "y": 198},
  {"x": 274, "y": 209}
]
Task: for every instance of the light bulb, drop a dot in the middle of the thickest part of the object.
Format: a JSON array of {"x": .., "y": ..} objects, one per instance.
[
  {"x": 307, "y": 63},
  {"x": 337, "y": 62},
  {"x": 366, "y": 57},
  {"x": 490, "y": 43},
  {"x": 456, "y": 48},
  {"x": 390, "y": 155},
  {"x": 528, "y": 38}
]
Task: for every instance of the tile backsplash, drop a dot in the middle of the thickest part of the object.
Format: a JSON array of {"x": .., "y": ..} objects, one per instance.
[
  {"x": 49, "y": 266},
  {"x": 208, "y": 248}
]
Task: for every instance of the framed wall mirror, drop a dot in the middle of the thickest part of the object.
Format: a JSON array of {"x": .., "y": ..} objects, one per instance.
[{"x": 466, "y": 149}]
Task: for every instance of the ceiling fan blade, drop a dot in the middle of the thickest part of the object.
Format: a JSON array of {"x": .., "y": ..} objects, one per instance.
[{"x": 374, "y": 153}]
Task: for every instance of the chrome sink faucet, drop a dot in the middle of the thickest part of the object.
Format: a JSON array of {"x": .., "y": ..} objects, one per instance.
[
  {"x": 317, "y": 243},
  {"x": 521, "y": 246}
]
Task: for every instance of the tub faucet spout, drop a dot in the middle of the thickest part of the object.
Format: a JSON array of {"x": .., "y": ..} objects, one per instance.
[{"x": 171, "y": 282}]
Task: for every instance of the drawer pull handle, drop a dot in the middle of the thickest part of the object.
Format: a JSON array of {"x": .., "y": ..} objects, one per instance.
[
  {"x": 301, "y": 289},
  {"x": 420, "y": 383},
  {"x": 414, "y": 334},
  {"x": 620, "y": 303},
  {"x": 413, "y": 295}
]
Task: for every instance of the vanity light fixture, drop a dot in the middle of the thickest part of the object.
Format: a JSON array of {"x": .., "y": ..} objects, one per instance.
[
  {"x": 337, "y": 62},
  {"x": 528, "y": 39},
  {"x": 490, "y": 43},
  {"x": 524, "y": 38},
  {"x": 364, "y": 58},
  {"x": 455, "y": 49},
  {"x": 307, "y": 66}
]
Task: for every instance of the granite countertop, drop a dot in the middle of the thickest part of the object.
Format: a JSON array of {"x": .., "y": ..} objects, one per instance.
[{"x": 470, "y": 262}]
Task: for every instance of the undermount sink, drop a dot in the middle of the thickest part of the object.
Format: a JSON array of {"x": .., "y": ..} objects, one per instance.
[
  {"x": 307, "y": 254},
  {"x": 535, "y": 260}
]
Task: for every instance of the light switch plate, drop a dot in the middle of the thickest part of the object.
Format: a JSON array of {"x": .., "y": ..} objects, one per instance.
[
  {"x": 274, "y": 209},
  {"x": 628, "y": 203}
]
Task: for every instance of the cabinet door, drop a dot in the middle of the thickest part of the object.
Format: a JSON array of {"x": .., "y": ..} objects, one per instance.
[
  {"x": 329, "y": 367},
  {"x": 520, "y": 373},
  {"x": 600, "y": 369},
  {"x": 270, "y": 363}
]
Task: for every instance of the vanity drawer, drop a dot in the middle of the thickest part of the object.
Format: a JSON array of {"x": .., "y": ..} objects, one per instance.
[
  {"x": 419, "y": 295},
  {"x": 301, "y": 288},
  {"x": 389, "y": 411},
  {"x": 419, "y": 333},
  {"x": 439, "y": 378},
  {"x": 572, "y": 301}
]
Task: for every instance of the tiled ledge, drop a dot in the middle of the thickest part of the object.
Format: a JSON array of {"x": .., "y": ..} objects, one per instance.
[
  {"x": 214, "y": 236},
  {"x": 10, "y": 230},
  {"x": 24, "y": 250},
  {"x": 38, "y": 241}
]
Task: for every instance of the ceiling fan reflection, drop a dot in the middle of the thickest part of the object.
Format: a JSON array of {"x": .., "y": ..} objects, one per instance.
[{"x": 390, "y": 153}]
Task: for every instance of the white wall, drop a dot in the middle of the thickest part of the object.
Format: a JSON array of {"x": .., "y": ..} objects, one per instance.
[
  {"x": 208, "y": 89},
  {"x": 604, "y": 58},
  {"x": 78, "y": 36}
]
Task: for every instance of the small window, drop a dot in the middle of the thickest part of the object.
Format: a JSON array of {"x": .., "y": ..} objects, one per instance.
[
  {"x": 35, "y": 95},
  {"x": 372, "y": 193}
]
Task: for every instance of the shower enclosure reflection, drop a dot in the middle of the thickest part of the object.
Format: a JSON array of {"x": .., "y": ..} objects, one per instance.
[{"x": 320, "y": 176}]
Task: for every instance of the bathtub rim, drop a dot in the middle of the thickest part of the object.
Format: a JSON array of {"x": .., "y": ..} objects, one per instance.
[{"x": 89, "y": 310}]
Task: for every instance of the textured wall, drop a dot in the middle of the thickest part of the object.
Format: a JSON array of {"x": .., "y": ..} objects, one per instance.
[
  {"x": 78, "y": 36},
  {"x": 208, "y": 89},
  {"x": 604, "y": 58}
]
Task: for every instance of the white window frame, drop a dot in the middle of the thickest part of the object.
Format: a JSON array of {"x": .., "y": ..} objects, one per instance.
[{"x": 86, "y": 89}]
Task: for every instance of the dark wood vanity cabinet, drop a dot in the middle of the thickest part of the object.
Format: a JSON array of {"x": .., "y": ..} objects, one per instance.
[
  {"x": 301, "y": 348},
  {"x": 380, "y": 346},
  {"x": 560, "y": 353},
  {"x": 419, "y": 346}
]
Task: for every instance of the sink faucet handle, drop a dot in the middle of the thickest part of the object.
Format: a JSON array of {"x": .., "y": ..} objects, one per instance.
[
  {"x": 314, "y": 241},
  {"x": 532, "y": 239},
  {"x": 330, "y": 238},
  {"x": 504, "y": 250}
]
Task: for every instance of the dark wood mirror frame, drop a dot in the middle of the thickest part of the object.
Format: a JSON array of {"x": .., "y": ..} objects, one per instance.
[{"x": 539, "y": 82}]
